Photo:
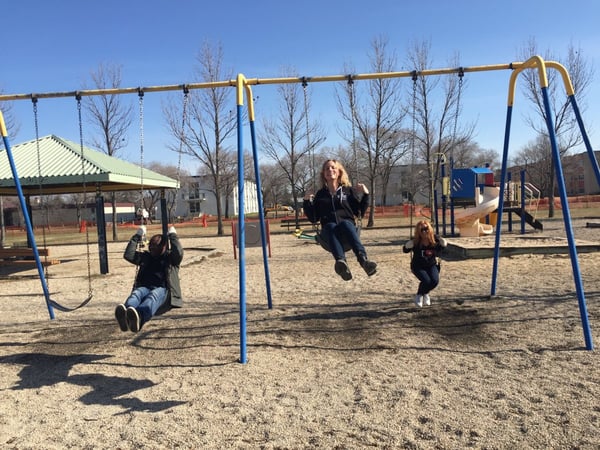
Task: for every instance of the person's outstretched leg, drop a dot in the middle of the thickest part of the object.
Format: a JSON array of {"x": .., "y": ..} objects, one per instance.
[
  {"x": 133, "y": 301},
  {"x": 428, "y": 279},
  {"x": 434, "y": 280},
  {"x": 151, "y": 303},
  {"x": 346, "y": 231},
  {"x": 330, "y": 234}
]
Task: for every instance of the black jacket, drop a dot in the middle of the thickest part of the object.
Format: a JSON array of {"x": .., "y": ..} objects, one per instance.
[
  {"x": 424, "y": 256},
  {"x": 172, "y": 260},
  {"x": 343, "y": 205}
]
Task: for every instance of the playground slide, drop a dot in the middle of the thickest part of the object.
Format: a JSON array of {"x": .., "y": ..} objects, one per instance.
[{"x": 467, "y": 219}]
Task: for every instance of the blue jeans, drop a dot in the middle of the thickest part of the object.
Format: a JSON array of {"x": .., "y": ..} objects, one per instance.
[
  {"x": 429, "y": 278},
  {"x": 147, "y": 301},
  {"x": 337, "y": 234}
]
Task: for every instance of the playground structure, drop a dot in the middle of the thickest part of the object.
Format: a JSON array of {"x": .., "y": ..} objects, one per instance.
[
  {"x": 244, "y": 85},
  {"x": 475, "y": 190},
  {"x": 474, "y": 199},
  {"x": 468, "y": 219}
]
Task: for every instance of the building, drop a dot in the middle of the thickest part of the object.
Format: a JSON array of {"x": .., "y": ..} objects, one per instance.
[{"x": 196, "y": 198}]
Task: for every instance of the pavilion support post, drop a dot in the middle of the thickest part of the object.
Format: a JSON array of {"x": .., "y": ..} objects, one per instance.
[{"x": 101, "y": 227}]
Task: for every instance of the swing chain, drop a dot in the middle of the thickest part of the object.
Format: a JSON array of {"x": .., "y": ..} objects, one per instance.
[
  {"x": 311, "y": 152},
  {"x": 461, "y": 74},
  {"x": 186, "y": 92},
  {"x": 141, "y": 105},
  {"x": 353, "y": 116},
  {"x": 34, "y": 101},
  {"x": 83, "y": 180},
  {"x": 412, "y": 143}
]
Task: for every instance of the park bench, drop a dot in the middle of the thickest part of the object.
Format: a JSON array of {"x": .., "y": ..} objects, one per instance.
[
  {"x": 291, "y": 223},
  {"x": 24, "y": 255}
]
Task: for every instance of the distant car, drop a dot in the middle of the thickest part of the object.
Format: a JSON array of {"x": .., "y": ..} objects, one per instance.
[{"x": 279, "y": 208}]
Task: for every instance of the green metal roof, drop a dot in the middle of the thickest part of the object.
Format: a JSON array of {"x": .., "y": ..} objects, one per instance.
[{"x": 67, "y": 168}]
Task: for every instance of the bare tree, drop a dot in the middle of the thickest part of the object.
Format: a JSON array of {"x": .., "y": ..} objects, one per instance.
[
  {"x": 153, "y": 196},
  {"x": 210, "y": 123},
  {"x": 375, "y": 123},
  {"x": 12, "y": 127},
  {"x": 12, "y": 124},
  {"x": 293, "y": 136},
  {"x": 437, "y": 134},
  {"x": 111, "y": 117},
  {"x": 565, "y": 123},
  {"x": 470, "y": 154},
  {"x": 274, "y": 183},
  {"x": 536, "y": 159}
]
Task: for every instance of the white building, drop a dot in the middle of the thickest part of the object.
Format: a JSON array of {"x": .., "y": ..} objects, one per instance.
[{"x": 196, "y": 198}]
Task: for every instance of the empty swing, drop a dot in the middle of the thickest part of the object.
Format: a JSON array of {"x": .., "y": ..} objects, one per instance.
[{"x": 50, "y": 301}]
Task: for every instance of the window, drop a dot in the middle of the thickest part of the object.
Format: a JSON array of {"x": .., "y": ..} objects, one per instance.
[{"x": 195, "y": 208}]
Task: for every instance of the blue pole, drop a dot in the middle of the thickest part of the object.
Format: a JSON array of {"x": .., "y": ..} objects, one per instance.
[
  {"x": 510, "y": 216},
  {"x": 30, "y": 235},
  {"x": 435, "y": 208},
  {"x": 568, "y": 226},
  {"x": 261, "y": 215},
  {"x": 501, "y": 199},
  {"x": 444, "y": 197},
  {"x": 586, "y": 140},
  {"x": 451, "y": 197},
  {"x": 242, "y": 236}
]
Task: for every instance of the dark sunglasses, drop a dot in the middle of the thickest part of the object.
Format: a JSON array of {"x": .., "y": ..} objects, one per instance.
[{"x": 424, "y": 229}]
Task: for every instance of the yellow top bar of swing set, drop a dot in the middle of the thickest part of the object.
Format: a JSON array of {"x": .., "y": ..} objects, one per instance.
[
  {"x": 536, "y": 62},
  {"x": 517, "y": 66}
]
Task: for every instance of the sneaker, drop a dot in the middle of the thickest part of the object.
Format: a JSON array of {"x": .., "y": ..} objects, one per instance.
[
  {"x": 133, "y": 319},
  {"x": 419, "y": 300},
  {"x": 427, "y": 300},
  {"x": 369, "y": 267},
  {"x": 342, "y": 269},
  {"x": 121, "y": 315}
]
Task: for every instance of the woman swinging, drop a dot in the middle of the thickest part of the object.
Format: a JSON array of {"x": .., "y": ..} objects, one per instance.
[{"x": 335, "y": 207}]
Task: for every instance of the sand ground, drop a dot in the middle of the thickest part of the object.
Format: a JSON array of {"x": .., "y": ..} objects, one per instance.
[{"x": 333, "y": 364}]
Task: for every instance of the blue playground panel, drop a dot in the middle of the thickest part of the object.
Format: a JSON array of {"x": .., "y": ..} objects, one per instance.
[{"x": 464, "y": 181}]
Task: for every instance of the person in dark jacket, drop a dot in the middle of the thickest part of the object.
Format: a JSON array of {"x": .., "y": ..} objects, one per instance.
[
  {"x": 157, "y": 287},
  {"x": 426, "y": 248},
  {"x": 335, "y": 206}
]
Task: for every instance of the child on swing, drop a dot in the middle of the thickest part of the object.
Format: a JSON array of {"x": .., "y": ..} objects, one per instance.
[
  {"x": 157, "y": 287},
  {"x": 426, "y": 248}
]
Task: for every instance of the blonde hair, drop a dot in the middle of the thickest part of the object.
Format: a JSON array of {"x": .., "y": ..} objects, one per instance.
[
  {"x": 343, "y": 179},
  {"x": 423, "y": 238}
]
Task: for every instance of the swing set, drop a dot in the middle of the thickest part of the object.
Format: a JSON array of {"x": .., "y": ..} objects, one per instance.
[
  {"x": 61, "y": 185},
  {"x": 244, "y": 85}
]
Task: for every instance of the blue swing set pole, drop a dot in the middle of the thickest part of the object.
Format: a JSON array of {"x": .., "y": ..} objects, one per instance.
[
  {"x": 563, "y": 196},
  {"x": 241, "y": 221},
  {"x": 538, "y": 63},
  {"x": 585, "y": 137},
  {"x": 261, "y": 214},
  {"x": 30, "y": 235},
  {"x": 502, "y": 186}
]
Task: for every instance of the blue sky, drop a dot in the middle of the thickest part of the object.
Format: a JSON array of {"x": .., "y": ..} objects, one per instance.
[{"x": 53, "y": 47}]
